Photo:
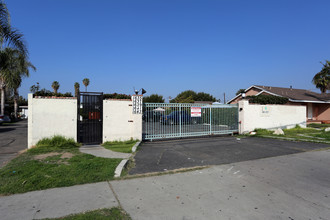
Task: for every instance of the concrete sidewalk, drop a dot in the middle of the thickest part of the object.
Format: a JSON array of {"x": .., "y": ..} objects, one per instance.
[
  {"x": 294, "y": 186},
  {"x": 57, "y": 202},
  {"x": 99, "y": 151}
]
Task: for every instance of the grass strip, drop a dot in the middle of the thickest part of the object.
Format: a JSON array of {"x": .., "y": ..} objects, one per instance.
[
  {"x": 298, "y": 134},
  {"x": 57, "y": 165},
  {"x": 314, "y": 125},
  {"x": 120, "y": 146},
  {"x": 100, "y": 214}
]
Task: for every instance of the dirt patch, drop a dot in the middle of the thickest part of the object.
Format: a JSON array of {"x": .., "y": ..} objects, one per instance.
[
  {"x": 67, "y": 155},
  {"x": 44, "y": 156}
]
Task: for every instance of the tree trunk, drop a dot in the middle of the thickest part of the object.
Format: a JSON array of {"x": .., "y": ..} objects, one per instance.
[
  {"x": 15, "y": 102},
  {"x": 2, "y": 100},
  {"x": 2, "y": 88}
]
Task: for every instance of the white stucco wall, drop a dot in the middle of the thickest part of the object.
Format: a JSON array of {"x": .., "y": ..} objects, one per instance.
[
  {"x": 252, "y": 116},
  {"x": 51, "y": 116},
  {"x": 119, "y": 122}
]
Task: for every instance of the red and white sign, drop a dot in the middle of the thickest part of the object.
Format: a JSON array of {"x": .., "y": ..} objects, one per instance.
[{"x": 196, "y": 111}]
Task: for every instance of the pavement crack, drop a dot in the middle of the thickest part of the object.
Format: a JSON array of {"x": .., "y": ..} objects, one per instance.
[
  {"x": 37, "y": 210},
  {"x": 115, "y": 194},
  {"x": 11, "y": 141},
  {"x": 160, "y": 157}
]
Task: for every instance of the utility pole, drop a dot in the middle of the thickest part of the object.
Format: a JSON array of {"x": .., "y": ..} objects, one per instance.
[{"x": 224, "y": 98}]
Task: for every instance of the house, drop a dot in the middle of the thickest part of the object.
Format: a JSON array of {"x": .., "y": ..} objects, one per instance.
[{"x": 317, "y": 105}]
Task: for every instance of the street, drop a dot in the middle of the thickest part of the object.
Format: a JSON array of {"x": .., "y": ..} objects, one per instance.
[{"x": 13, "y": 138}]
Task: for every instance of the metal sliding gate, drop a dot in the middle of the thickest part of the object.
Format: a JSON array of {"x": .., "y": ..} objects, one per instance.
[
  {"x": 175, "y": 120},
  {"x": 90, "y": 117}
]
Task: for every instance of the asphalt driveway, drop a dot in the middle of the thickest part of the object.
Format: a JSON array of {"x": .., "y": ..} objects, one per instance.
[{"x": 169, "y": 155}]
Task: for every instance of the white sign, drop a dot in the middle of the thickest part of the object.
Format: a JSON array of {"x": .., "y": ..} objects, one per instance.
[
  {"x": 196, "y": 111},
  {"x": 137, "y": 104}
]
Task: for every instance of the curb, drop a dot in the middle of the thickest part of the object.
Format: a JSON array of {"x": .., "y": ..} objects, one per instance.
[
  {"x": 135, "y": 146},
  {"x": 120, "y": 167},
  {"x": 122, "y": 164}
]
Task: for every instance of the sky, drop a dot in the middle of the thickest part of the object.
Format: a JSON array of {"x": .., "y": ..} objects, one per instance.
[{"x": 168, "y": 46}]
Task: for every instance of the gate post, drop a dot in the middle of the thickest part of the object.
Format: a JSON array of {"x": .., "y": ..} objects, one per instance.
[
  {"x": 137, "y": 115},
  {"x": 210, "y": 120},
  {"x": 180, "y": 124},
  {"x": 242, "y": 105}
]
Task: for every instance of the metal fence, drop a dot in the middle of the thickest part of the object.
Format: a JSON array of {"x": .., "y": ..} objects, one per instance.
[
  {"x": 175, "y": 120},
  {"x": 90, "y": 117}
]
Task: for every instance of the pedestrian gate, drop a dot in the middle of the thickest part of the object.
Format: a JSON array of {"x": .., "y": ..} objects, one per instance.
[
  {"x": 90, "y": 117},
  {"x": 175, "y": 120}
]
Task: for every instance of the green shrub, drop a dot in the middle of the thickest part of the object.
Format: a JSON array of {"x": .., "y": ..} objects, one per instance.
[
  {"x": 261, "y": 131},
  {"x": 298, "y": 130},
  {"x": 47, "y": 93},
  {"x": 55, "y": 143},
  {"x": 267, "y": 99},
  {"x": 314, "y": 125},
  {"x": 116, "y": 96}
]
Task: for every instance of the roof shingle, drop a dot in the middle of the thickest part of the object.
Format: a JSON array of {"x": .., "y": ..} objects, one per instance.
[{"x": 296, "y": 94}]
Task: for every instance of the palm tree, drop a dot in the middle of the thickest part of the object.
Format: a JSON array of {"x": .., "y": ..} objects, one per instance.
[
  {"x": 10, "y": 36},
  {"x": 22, "y": 71},
  {"x": 322, "y": 79},
  {"x": 86, "y": 82},
  {"x": 76, "y": 89},
  {"x": 15, "y": 66},
  {"x": 55, "y": 86}
]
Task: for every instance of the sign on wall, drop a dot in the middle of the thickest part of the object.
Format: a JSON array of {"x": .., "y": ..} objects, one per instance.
[
  {"x": 265, "y": 111},
  {"x": 196, "y": 111},
  {"x": 137, "y": 104}
]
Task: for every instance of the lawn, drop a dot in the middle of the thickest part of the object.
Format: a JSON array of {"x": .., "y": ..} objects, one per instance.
[
  {"x": 53, "y": 163},
  {"x": 299, "y": 134},
  {"x": 111, "y": 214},
  {"x": 314, "y": 125},
  {"x": 120, "y": 146}
]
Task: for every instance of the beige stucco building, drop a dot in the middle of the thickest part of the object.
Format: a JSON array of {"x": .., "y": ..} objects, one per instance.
[{"x": 317, "y": 105}]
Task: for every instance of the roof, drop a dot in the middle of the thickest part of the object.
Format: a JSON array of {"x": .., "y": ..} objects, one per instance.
[{"x": 294, "y": 95}]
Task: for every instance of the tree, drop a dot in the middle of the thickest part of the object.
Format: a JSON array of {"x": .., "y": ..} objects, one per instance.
[
  {"x": 9, "y": 36},
  {"x": 34, "y": 88},
  {"x": 322, "y": 79},
  {"x": 55, "y": 86},
  {"x": 185, "y": 97},
  {"x": 190, "y": 96},
  {"x": 13, "y": 66},
  {"x": 86, "y": 82},
  {"x": 153, "y": 98},
  {"x": 76, "y": 89},
  {"x": 202, "y": 96},
  {"x": 22, "y": 70},
  {"x": 240, "y": 91}
]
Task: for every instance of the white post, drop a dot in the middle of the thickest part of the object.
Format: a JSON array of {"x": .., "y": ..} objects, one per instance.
[
  {"x": 30, "y": 119},
  {"x": 242, "y": 105}
]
